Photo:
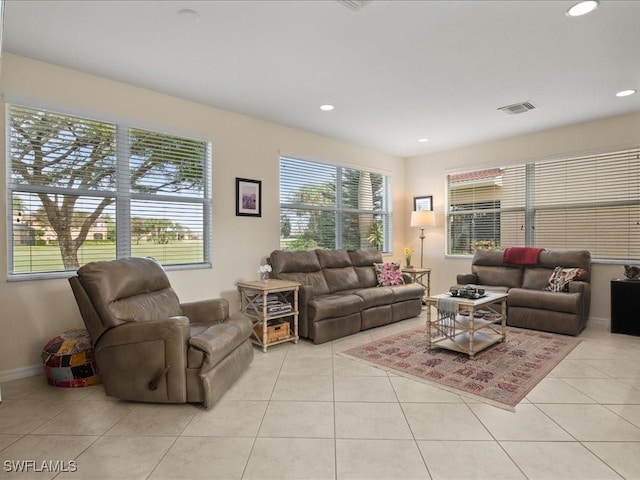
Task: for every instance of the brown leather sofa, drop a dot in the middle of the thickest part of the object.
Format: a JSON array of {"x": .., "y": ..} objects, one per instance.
[
  {"x": 340, "y": 295},
  {"x": 149, "y": 347},
  {"x": 528, "y": 304}
]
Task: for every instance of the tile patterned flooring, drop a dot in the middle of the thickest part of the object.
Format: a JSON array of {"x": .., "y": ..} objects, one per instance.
[{"x": 303, "y": 412}]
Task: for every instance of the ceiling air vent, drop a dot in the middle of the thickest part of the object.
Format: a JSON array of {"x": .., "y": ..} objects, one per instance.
[
  {"x": 517, "y": 108},
  {"x": 354, "y": 5}
]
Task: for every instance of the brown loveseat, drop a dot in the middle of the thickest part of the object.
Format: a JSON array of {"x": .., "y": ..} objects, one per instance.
[
  {"x": 529, "y": 304},
  {"x": 149, "y": 347},
  {"x": 340, "y": 293}
]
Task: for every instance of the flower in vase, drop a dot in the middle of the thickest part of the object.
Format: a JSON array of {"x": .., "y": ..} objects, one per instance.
[
  {"x": 407, "y": 255},
  {"x": 264, "y": 271}
]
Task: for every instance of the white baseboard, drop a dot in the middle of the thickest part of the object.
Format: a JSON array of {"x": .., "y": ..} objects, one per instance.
[
  {"x": 600, "y": 321},
  {"x": 15, "y": 374}
]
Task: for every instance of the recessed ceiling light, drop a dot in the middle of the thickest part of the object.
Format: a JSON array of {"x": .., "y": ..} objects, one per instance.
[
  {"x": 423, "y": 140},
  {"x": 327, "y": 107},
  {"x": 582, "y": 8},
  {"x": 189, "y": 15},
  {"x": 626, "y": 93}
]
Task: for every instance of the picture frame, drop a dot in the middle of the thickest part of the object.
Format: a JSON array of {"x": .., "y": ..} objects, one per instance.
[
  {"x": 248, "y": 197},
  {"x": 423, "y": 203}
]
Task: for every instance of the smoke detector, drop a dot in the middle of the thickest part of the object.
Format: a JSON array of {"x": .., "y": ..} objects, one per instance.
[
  {"x": 353, "y": 5},
  {"x": 517, "y": 108}
]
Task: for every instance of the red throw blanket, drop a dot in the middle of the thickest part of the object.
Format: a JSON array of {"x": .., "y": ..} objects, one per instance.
[{"x": 521, "y": 255}]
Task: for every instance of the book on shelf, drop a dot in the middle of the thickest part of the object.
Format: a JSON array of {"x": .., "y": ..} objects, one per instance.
[
  {"x": 275, "y": 308},
  {"x": 271, "y": 297}
]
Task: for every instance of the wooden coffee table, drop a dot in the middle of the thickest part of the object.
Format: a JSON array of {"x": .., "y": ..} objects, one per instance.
[{"x": 479, "y": 323}]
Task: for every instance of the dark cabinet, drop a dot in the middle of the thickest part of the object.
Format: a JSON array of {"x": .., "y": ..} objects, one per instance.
[{"x": 625, "y": 306}]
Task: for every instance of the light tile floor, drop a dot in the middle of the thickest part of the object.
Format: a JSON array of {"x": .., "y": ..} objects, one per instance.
[{"x": 303, "y": 412}]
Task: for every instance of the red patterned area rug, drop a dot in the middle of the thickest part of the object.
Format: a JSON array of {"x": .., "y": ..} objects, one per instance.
[{"x": 501, "y": 375}]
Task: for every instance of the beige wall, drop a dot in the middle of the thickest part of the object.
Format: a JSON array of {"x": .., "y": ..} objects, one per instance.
[
  {"x": 426, "y": 176},
  {"x": 33, "y": 311}
]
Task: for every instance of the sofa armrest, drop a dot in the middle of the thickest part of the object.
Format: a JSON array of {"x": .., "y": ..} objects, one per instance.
[
  {"x": 305, "y": 296},
  {"x": 578, "y": 287},
  {"x": 172, "y": 330},
  {"x": 213, "y": 310},
  {"x": 583, "y": 288},
  {"x": 467, "y": 278}
]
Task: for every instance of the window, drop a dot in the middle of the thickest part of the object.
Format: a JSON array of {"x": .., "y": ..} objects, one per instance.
[
  {"x": 325, "y": 206},
  {"x": 590, "y": 202},
  {"x": 486, "y": 209},
  {"x": 84, "y": 190}
]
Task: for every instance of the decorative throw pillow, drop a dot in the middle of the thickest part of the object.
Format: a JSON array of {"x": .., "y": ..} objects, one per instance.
[
  {"x": 388, "y": 274},
  {"x": 560, "y": 278}
]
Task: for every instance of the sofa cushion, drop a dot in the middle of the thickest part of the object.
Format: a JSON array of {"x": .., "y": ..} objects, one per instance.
[
  {"x": 294, "y": 261},
  {"x": 409, "y": 291},
  {"x": 567, "y": 259},
  {"x": 334, "y": 305},
  {"x": 334, "y": 258},
  {"x": 544, "y": 300},
  {"x": 365, "y": 257},
  {"x": 485, "y": 256},
  {"x": 299, "y": 266},
  {"x": 375, "y": 296},
  {"x": 341, "y": 278},
  {"x": 536, "y": 278},
  {"x": 388, "y": 274},
  {"x": 561, "y": 277},
  {"x": 363, "y": 261},
  {"x": 498, "y": 275},
  {"x": 315, "y": 280},
  {"x": 367, "y": 276},
  {"x": 129, "y": 290},
  {"x": 149, "y": 306}
]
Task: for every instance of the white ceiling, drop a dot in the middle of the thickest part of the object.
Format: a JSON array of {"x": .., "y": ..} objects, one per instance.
[{"x": 396, "y": 71}]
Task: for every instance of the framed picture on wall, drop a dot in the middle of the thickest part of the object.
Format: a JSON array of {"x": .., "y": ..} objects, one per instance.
[
  {"x": 248, "y": 197},
  {"x": 423, "y": 203}
]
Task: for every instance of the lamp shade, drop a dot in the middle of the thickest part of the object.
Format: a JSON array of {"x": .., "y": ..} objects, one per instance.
[{"x": 423, "y": 218}]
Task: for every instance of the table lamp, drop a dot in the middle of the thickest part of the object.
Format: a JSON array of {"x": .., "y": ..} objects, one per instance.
[{"x": 422, "y": 219}]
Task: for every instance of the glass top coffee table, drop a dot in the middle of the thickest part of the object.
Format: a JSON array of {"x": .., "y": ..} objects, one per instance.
[{"x": 466, "y": 325}]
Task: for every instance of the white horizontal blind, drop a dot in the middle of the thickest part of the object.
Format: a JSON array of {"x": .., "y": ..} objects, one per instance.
[
  {"x": 84, "y": 190},
  {"x": 326, "y": 206},
  {"x": 486, "y": 209},
  {"x": 590, "y": 202}
]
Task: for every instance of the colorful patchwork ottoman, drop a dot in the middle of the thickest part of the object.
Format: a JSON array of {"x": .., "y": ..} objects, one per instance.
[{"x": 68, "y": 360}]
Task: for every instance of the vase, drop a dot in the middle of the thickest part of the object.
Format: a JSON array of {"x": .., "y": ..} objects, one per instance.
[
  {"x": 408, "y": 261},
  {"x": 264, "y": 276}
]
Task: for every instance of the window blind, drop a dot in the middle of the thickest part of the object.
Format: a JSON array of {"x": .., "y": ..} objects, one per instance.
[
  {"x": 486, "y": 209},
  {"x": 589, "y": 202},
  {"x": 84, "y": 190},
  {"x": 326, "y": 206}
]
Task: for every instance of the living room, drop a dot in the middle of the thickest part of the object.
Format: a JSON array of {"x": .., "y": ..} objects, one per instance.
[{"x": 35, "y": 310}]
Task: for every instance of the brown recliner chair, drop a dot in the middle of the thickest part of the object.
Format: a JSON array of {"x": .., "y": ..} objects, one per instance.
[{"x": 151, "y": 348}]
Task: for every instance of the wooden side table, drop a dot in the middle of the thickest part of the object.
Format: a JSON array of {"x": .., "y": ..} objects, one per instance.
[
  {"x": 269, "y": 301},
  {"x": 417, "y": 275}
]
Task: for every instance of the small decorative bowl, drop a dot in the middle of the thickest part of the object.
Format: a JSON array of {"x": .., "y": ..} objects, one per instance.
[{"x": 632, "y": 272}]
